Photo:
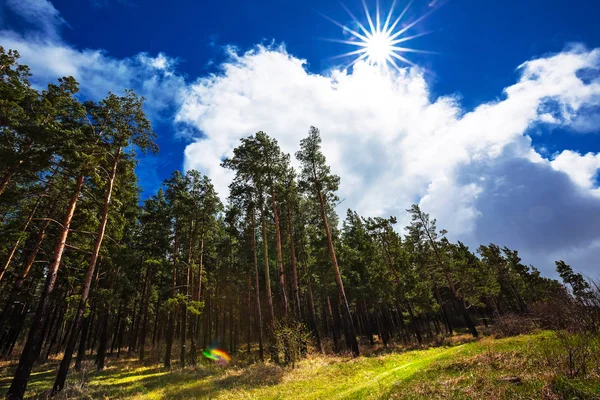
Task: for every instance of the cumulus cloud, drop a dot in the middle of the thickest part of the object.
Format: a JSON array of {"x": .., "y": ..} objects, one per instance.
[
  {"x": 582, "y": 169},
  {"x": 539, "y": 210},
  {"x": 393, "y": 144}
]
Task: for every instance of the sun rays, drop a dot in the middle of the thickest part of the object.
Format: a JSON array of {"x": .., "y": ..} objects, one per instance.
[{"x": 378, "y": 42}]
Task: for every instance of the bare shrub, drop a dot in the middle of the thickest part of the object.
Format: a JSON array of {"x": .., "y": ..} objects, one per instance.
[
  {"x": 513, "y": 325},
  {"x": 575, "y": 353}
]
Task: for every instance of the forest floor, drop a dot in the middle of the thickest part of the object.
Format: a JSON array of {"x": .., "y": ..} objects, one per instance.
[{"x": 488, "y": 368}]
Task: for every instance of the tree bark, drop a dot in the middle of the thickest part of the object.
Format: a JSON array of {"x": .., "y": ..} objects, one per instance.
[
  {"x": 266, "y": 263},
  {"x": 284, "y": 299},
  {"x": 57, "y": 324},
  {"x": 196, "y": 297},
  {"x": 117, "y": 328},
  {"x": 171, "y": 327},
  {"x": 101, "y": 354},
  {"x": 184, "y": 307},
  {"x": 9, "y": 174},
  {"x": 14, "y": 248},
  {"x": 32, "y": 348},
  {"x": 145, "y": 305},
  {"x": 249, "y": 311},
  {"x": 271, "y": 322},
  {"x": 66, "y": 361},
  {"x": 257, "y": 288},
  {"x": 334, "y": 327},
  {"x": 313, "y": 316},
  {"x": 295, "y": 287},
  {"x": 24, "y": 273},
  {"x": 442, "y": 308},
  {"x": 350, "y": 332},
  {"x": 82, "y": 343}
]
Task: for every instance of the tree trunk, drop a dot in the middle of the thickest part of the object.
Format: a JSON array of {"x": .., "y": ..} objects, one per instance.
[
  {"x": 116, "y": 329},
  {"x": 271, "y": 321},
  {"x": 442, "y": 308},
  {"x": 101, "y": 354},
  {"x": 295, "y": 288},
  {"x": 171, "y": 327},
  {"x": 82, "y": 343},
  {"x": 188, "y": 277},
  {"x": 57, "y": 324},
  {"x": 122, "y": 333},
  {"x": 257, "y": 288},
  {"x": 5, "y": 179},
  {"x": 313, "y": 316},
  {"x": 284, "y": 299},
  {"x": 249, "y": 311},
  {"x": 51, "y": 325},
  {"x": 24, "y": 273},
  {"x": 137, "y": 318},
  {"x": 132, "y": 330},
  {"x": 267, "y": 274},
  {"x": 13, "y": 249},
  {"x": 414, "y": 323},
  {"x": 194, "y": 324},
  {"x": 32, "y": 348},
  {"x": 155, "y": 330},
  {"x": 334, "y": 327},
  {"x": 87, "y": 284},
  {"x": 368, "y": 326},
  {"x": 460, "y": 300},
  {"x": 9, "y": 174},
  {"x": 145, "y": 304},
  {"x": 350, "y": 332}
]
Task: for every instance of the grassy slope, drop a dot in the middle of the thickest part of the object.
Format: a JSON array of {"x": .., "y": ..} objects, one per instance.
[{"x": 471, "y": 370}]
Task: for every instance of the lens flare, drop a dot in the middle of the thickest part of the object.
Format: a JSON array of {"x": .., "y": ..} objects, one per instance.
[{"x": 219, "y": 356}]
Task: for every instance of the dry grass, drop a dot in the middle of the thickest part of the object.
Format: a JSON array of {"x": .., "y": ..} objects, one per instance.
[{"x": 467, "y": 369}]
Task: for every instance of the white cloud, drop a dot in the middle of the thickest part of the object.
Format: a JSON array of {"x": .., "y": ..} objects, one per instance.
[
  {"x": 582, "y": 169},
  {"x": 40, "y": 13},
  {"x": 393, "y": 145},
  {"x": 100, "y": 73},
  {"x": 161, "y": 62}
]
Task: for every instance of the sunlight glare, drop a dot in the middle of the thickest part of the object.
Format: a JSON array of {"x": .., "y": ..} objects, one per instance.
[{"x": 377, "y": 44}]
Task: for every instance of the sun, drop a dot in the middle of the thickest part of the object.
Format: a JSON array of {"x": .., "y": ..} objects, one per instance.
[
  {"x": 379, "y": 43},
  {"x": 379, "y": 48}
]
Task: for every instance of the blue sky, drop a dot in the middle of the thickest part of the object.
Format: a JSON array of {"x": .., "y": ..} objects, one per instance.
[{"x": 519, "y": 146}]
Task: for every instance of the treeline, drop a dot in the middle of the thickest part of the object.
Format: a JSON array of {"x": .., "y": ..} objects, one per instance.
[{"x": 86, "y": 268}]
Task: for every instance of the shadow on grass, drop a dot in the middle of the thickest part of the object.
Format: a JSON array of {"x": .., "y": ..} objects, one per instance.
[
  {"x": 126, "y": 379},
  {"x": 162, "y": 383},
  {"x": 38, "y": 380}
]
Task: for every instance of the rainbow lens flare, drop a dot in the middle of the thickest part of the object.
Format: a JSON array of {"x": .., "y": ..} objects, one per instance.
[{"x": 219, "y": 356}]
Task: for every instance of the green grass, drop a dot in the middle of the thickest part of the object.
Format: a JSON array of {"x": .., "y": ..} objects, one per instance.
[{"x": 470, "y": 370}]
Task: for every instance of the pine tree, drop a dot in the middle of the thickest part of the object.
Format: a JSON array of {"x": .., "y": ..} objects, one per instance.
[
  {"x": 317, "y": 181},
  {"x": 121, "y": 124}
]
